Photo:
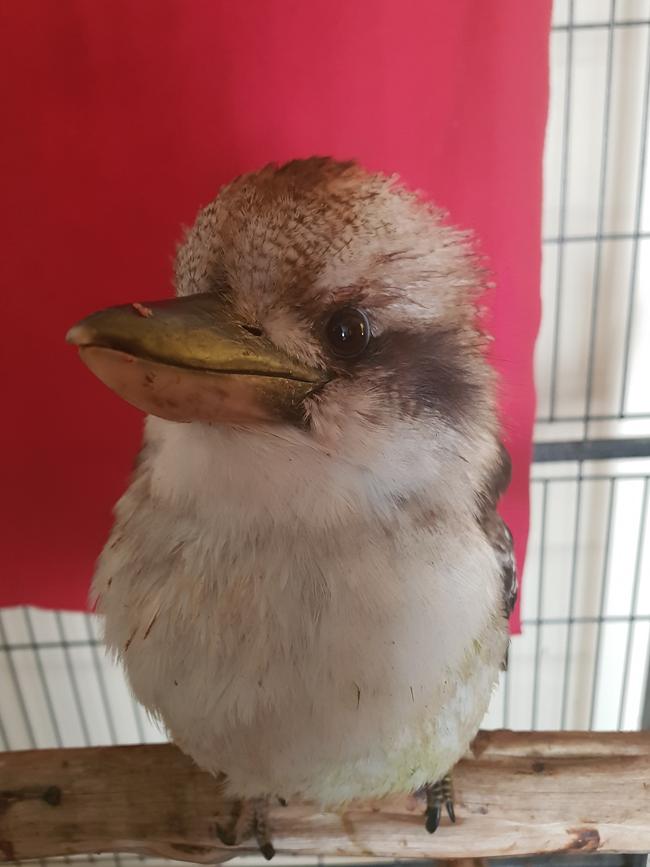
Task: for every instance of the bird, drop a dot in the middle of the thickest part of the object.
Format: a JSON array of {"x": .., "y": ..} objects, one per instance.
[{"x": 307, "y": 581}]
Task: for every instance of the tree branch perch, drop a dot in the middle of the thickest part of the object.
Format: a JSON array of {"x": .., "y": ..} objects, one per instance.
[{"x": 517, "y": 793}]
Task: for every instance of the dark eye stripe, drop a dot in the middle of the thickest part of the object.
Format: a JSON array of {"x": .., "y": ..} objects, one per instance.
[{"x": 442, "y": 370}]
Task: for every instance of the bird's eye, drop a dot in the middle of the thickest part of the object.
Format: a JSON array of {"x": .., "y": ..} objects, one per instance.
[{"x": 348, "y": 332}]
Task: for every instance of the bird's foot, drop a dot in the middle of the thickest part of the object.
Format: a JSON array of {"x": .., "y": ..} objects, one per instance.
[
  {"x": 437, "y": 795},
  {"x": 249, "y": 819}
]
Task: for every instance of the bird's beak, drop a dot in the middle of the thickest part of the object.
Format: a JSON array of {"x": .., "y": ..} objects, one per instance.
[{"x": 189, "y": 359}]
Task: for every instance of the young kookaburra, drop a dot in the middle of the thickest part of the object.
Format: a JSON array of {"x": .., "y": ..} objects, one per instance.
[{"x": 307, "y": 580}]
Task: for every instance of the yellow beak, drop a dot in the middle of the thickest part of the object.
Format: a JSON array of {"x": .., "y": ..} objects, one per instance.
[{"x": 188, "y": 359}]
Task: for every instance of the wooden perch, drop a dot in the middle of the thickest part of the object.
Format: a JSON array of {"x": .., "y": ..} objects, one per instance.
[{"x": 518, "y": 793}]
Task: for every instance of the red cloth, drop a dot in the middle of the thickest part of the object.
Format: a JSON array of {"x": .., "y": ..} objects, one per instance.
[{"x": 120, "y": 119}]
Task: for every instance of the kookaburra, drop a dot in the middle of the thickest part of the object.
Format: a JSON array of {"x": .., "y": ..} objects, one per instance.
[{"x": 307, "y": 580}]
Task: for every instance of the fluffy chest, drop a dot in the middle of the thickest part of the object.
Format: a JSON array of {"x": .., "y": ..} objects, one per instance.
[
  {"x": 285, "y": 645},
  {"x": 364, "y": 668},
  {"x": 261, "y": 622}
]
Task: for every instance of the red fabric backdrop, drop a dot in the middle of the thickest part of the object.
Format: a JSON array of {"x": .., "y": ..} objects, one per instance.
[{"x": 121, "y": 118}]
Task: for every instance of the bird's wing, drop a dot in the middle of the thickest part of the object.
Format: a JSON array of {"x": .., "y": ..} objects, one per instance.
[
  {"x": 501, "y": 540},
  {"x": 497, "y": 532}
]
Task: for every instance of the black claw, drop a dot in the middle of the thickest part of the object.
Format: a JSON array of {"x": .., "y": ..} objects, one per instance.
[
  {"x": 227, "y": 837},
  {"x": 433, "y": 819},
  {"x": 230, "y": 837},
  {"x": 449, "y": 804}
]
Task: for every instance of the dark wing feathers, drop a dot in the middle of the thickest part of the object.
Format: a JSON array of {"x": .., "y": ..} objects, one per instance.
[
  {"x": 502, "y": 543},
  {"x": 496, "y": 530}
]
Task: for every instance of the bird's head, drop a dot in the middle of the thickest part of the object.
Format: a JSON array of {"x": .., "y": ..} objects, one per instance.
[{"x": 317, "y": 303}]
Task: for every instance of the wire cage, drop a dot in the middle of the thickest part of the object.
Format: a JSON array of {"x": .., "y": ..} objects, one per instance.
[{"x": 581, "y": 661}]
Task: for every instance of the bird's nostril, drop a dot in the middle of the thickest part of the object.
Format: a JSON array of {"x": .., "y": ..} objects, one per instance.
[{"x": 253, "y": 329}]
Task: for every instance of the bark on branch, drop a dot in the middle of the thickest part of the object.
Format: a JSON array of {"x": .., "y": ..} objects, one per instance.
[{"x": 518, "y": 793}]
